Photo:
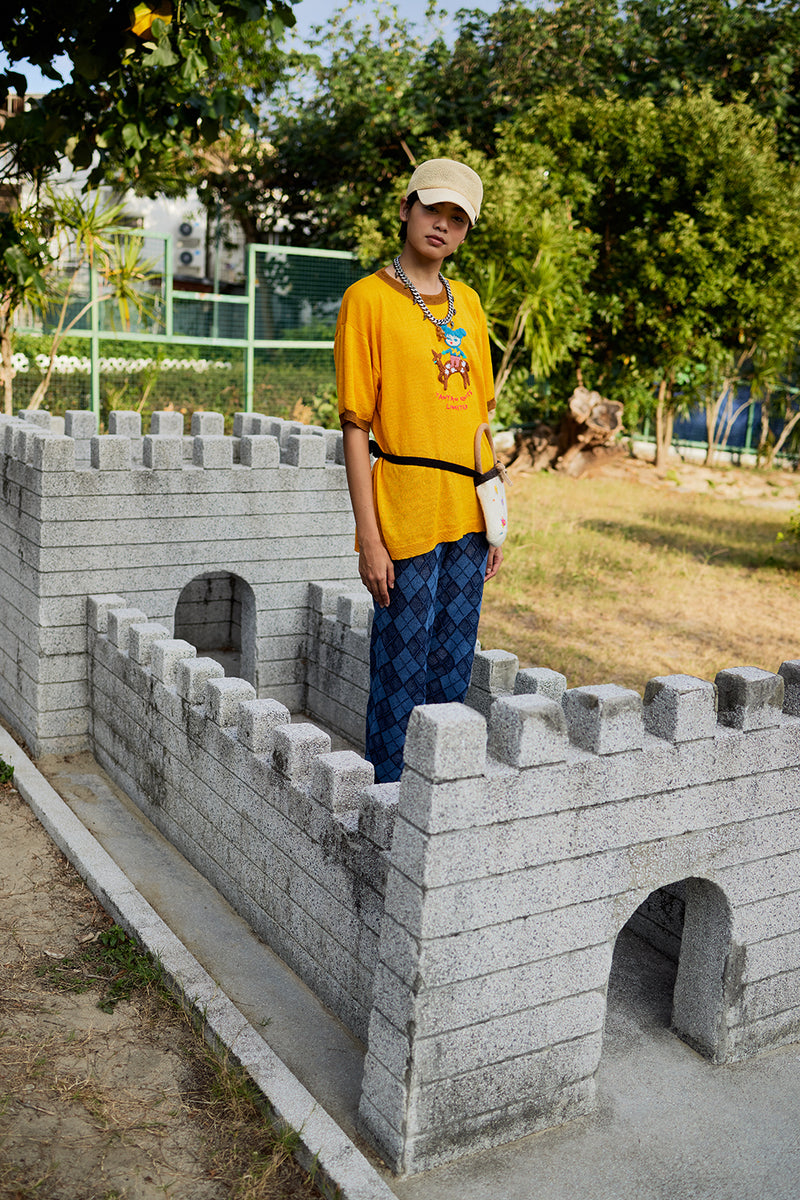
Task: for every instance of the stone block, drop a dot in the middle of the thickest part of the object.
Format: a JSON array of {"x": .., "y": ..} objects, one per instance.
[
  {"x": 80, "y": 424},
  {"x": 208, "y": 424},
  {"x": 749, "y": 698},
  {"x": 680, "y": 708},
  {"x": 192, "y": 678},
  {"x": 98, "y": 608},
  {"x": 790, "y": 673},
  {"x": 338, "y": 781},
  {"x": 28, "y": 439},
  {"x": 450, "y": 804},
  {"x": 119, "y": 624},
  {"x": 35, "y": 416},
  {"x": 162, "y": 452},
  {"x": 323, "y": 598},
  {"x": 243, "y": 424},
  {"x": 258, "y": 720},
  {"x": 223, "y": 698},
  {"x": 212, "y": 452},
  {"x": 527, "y": 730},
  {"x": 378, "y": 811},
  {"x": 446, "y": 741},
  {"x": 332, "y": 439},
  {"x": 125, "y": 424},
  {"x": 286, "y": 429},
  {"x": 604, "y": 719},
  {"x": 304, "y": 450},
  {"x": 355, "y": 610},
  {"x": 110, "y": 453},
  {"x": 165, "y": 657},
  {"x": 259, "y": 450},
  {"x": 141, "y": 638},
  {"x": 540, "y": 681},
  {"x": 494, "y": 671},
  {"x": 54, "y": 453},
  {"x": 169, "y": 424},
  {"x": 260, "y": 425},
  {"x": 296, "y": 748}
]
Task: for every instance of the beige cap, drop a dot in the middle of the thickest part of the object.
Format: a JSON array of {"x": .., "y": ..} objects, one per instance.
[{"x": 441, "y": 179}]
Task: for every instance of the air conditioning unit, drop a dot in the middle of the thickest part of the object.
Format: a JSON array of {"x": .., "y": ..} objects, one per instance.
[{"x": 189, "y": 253}]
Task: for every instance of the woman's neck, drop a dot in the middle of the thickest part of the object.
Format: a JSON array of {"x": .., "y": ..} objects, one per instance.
[{"x": 423, "y": 273}]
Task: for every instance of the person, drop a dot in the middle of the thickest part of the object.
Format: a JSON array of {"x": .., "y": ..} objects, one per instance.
[{"x": 413, "y": 367}]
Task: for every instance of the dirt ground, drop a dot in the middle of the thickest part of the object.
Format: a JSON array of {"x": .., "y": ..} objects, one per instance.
[
  {"x": 778, "y": 489},
  {"x": 102, "y": 1105}
]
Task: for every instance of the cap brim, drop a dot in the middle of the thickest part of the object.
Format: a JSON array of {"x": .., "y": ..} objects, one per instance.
[{"x": 439, "y": 195}]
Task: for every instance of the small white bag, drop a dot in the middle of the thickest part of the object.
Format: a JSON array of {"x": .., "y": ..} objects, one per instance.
[{"x": 491, "y": 492}]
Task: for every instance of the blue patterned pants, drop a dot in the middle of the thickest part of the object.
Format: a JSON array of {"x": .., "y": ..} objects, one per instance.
[{"x": 423, "y": 644}]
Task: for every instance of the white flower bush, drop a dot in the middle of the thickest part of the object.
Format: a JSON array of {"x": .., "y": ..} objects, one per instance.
[{"x": 70, "y": 364}]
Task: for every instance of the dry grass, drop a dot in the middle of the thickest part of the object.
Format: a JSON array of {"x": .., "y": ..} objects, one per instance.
[{"x": 624, "y": 577}]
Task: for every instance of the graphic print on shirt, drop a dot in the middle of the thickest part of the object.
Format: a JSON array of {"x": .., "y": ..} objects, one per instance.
[{"x": 452, "y": 360}]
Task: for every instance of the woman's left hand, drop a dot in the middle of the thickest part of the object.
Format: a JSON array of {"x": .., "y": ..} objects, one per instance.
[{"x": 493, "y": 562}]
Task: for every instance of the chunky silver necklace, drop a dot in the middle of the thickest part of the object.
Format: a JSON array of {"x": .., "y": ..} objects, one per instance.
[{"x": 426, "y": 312}]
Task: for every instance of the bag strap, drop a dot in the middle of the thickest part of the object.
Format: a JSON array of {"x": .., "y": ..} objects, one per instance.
[
  {"x": 476, "y": 475},
  {"x": 483, "y": 431},
  {"x": 498, "y": 468},
  {"x": 407, "y": 460}
]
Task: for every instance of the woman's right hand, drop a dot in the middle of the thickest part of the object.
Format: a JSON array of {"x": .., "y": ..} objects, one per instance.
[{"x": 377, "y": 572}]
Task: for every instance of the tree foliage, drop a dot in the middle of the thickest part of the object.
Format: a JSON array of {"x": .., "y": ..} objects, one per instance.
[
  {"x": 698, "y": 246},
  {"x": 145, "y": 81}
]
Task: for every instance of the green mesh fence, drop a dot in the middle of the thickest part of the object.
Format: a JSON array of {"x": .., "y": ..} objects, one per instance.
[{"x": 266, "y": 346}]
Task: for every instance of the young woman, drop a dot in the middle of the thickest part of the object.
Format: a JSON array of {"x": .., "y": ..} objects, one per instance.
[{"x": 413, "y": 367}]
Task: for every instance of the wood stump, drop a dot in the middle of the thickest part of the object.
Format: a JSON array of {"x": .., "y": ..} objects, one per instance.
[{"x": 585, "y": 438}]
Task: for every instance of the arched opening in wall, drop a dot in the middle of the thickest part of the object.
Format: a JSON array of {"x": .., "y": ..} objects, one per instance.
[
  {"x": 668, "y": 971},
  {"x": 216, "y": 613}
]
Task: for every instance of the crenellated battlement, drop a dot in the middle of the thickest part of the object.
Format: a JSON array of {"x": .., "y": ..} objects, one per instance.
[
  {"x": 463, "y": 920},
  {"x": 51, "y": 444},
  {"x": 301, "y": 753},
  {"x": 292, "y": 833}
]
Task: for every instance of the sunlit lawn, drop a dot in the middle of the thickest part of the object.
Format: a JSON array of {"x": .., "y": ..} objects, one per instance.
[{"x": 610, "y": 580}]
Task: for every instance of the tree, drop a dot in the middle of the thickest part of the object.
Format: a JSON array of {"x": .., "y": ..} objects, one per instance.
[
  {"x": 63, "y": 227},
  {"x": 141, "y": 88},
  {"x": 346, "y": 120},
  {"x": 741, "y": 51},
  {"x": 698, "y": 246},
  {"x": 144, "y": 85},
  {"x": 24, "y": 256}
]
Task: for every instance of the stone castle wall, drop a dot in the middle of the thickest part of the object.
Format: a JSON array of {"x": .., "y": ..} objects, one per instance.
[{"x": 145, "y": 517}]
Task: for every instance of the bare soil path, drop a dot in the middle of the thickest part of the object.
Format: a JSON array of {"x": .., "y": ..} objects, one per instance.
[{"x": 124, "y": 1104}]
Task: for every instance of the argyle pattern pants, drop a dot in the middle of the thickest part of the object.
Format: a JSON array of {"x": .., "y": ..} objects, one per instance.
[{"x": 423, "y": 644}]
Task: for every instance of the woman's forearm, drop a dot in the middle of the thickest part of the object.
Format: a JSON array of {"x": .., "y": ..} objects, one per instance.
[{"x": 374, "y": 565}]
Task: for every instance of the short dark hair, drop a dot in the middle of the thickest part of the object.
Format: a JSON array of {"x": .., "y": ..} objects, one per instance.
[{"x": 411, "y": 200}]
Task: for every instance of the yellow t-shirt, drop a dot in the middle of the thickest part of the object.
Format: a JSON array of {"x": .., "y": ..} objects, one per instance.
[{"x": 422, "y": 393}]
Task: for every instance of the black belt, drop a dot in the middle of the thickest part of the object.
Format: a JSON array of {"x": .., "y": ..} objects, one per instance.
[{"x": 438, "y": 463}]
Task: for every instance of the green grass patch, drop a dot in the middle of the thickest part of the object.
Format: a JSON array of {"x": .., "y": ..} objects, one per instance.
[{"x": 112, "y": 962}]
